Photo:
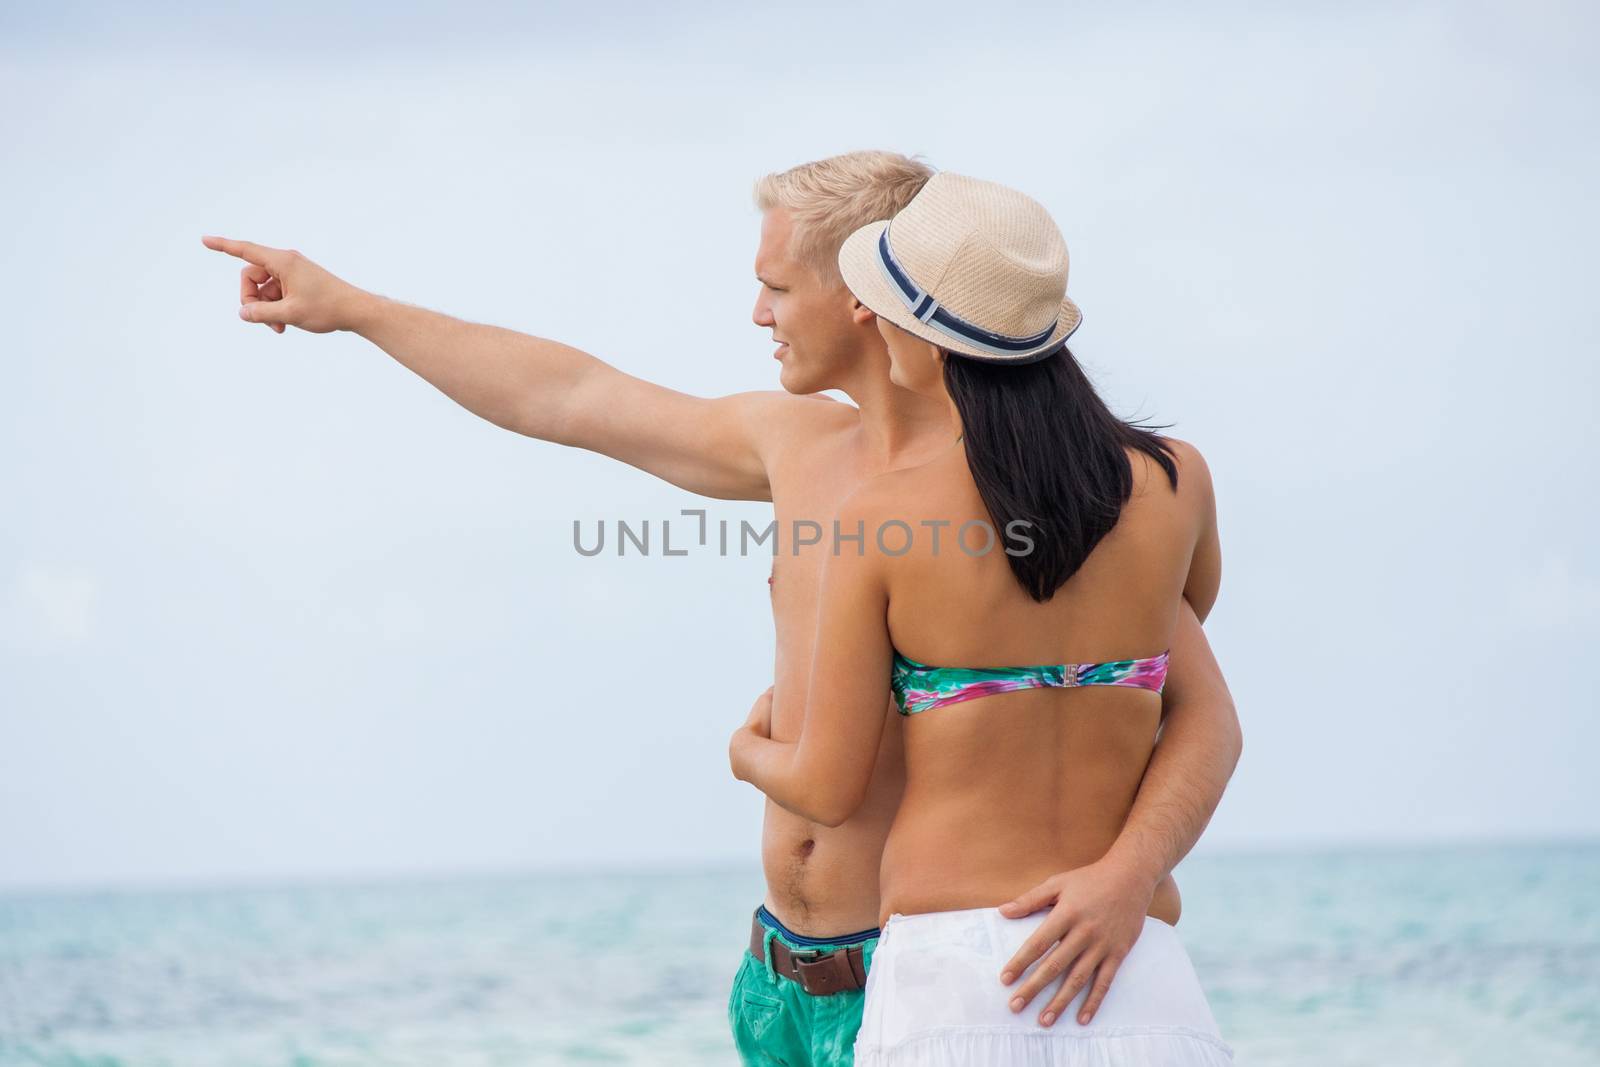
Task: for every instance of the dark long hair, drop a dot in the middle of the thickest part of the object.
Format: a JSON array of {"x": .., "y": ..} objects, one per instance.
[{"x": 1044, "y": 448}]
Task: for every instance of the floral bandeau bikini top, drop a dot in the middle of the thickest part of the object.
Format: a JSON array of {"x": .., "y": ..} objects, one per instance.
[{"x": 919, "y": 687}]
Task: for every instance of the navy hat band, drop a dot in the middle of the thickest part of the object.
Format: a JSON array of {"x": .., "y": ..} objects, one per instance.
[{"x": 927, "y": 310}]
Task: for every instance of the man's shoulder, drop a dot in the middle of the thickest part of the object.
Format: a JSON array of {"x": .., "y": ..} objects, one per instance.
[
  {"x": 781, "y": 418},
  {"x": 779, "y": 401}
]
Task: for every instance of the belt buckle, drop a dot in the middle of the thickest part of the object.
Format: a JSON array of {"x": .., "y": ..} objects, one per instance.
[{"x": 797, "y": 956}]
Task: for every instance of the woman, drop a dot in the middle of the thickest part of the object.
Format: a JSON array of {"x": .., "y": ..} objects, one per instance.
[{"x": 1049, "y": 534}]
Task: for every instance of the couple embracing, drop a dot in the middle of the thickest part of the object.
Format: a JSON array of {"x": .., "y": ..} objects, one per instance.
[{"x": 980, "y": 766}]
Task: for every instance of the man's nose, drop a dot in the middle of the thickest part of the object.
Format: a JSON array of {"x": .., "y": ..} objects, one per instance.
[{"x": 762, "y": 315}]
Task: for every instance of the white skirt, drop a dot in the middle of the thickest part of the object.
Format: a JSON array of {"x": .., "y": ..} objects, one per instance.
[{"x": 934, "y": 998}]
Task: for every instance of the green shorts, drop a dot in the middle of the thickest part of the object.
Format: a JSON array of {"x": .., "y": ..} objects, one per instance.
[{"x": 775, "y": 1021}]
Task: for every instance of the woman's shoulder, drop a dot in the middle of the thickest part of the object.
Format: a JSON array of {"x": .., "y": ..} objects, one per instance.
[
  {"x": 1190, "y": 471},
  {"x": 908, "y": 492},
  {"x": 1189, "y": 505},
  {"x": 876, "y": 498}
]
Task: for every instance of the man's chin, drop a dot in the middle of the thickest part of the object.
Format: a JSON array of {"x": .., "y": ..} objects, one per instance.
[{"x": 793, "y": 381}]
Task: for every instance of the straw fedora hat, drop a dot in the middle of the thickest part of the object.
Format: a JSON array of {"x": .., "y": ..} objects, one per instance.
[{"x": 971, "y": 266}]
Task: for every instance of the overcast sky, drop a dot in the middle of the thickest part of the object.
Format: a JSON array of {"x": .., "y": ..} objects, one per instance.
[{"x": 272, "y": 607}]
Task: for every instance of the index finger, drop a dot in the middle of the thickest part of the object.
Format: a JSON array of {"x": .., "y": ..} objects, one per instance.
[{"x": 260, "y": 255}]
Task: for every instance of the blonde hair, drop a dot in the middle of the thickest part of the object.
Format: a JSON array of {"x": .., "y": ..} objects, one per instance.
[{"x": 829, "y": 199}]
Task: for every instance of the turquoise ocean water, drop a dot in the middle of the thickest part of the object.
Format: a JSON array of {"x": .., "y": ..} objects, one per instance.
[{"x": 1450, "y": 956}]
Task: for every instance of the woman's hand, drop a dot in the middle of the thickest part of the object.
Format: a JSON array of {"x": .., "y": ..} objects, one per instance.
[
  {"x": 757, "y": 725},
  {"x": 1097, "y": 913},
  {"x": 280, "y": 287}
]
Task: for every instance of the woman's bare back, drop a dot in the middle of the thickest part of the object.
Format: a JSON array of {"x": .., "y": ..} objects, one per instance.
[{"x": 1009, "y": 789}]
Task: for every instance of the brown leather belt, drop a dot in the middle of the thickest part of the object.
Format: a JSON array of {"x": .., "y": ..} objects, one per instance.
[{"x": 819, "y": 973}]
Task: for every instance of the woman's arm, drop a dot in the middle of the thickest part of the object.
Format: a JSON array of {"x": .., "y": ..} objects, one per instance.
[
  {"x": 1205, "y": 563},
  {"x": 823, "y": 776}
]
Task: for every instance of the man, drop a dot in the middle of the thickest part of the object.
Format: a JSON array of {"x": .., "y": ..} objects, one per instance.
[{"x": 797, "y": 996}]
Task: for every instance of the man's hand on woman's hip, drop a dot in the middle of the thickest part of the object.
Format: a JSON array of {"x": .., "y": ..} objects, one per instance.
[{"x": 1097, "y": 913}]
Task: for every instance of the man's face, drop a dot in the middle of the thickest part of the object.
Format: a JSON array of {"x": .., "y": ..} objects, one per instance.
[{"x": 809, "y": 318}]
